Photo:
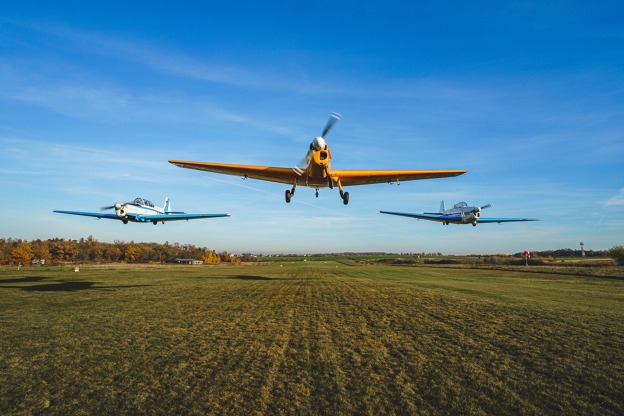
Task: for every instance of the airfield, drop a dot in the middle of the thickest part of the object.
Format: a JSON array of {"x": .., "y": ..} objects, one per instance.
[{"x": 310, "y": 337}]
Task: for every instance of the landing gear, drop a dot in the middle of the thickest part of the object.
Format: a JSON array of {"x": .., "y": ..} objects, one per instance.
[
  {"x": 343, "y": 195},
  {"x": 289, "y": 194}
]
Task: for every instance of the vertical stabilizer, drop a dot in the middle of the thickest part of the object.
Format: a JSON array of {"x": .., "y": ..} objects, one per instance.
[
  {"x": 167, "y": 207},
  {"x": 442, "y": 207}
]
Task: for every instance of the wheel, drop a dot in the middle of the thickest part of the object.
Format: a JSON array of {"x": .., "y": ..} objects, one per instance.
[
  {"x": 345, "y": 198},
  {"x": 288, "y": 195}
]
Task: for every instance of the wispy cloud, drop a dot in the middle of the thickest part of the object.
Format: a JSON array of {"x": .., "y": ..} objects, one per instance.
[
  {"x": 26, "y": 156},
  {"x": 617, "y": 200},
  {"x": 285, "y": 75},
  {"x": 173, "y": 62}
]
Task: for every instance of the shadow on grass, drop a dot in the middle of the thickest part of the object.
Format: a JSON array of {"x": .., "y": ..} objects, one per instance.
[
  {"x": 59, "y": 286},
  {"x": 247, "y": 277}
]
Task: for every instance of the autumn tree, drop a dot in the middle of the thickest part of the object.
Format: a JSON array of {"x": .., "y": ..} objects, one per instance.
[
  {"x": 64, "y": 250},
  {"x": 211, "y": 258},
  {"x": 111, "y": 253},
  {"x": 132, "y": 253},
  {"x": 41, "y": 251},
  {"x": 21, "y": 254}
]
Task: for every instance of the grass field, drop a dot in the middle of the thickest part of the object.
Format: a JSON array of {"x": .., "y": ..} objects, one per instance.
[{"x": 309, "y": 338}]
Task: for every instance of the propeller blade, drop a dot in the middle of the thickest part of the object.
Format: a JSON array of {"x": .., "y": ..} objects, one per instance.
[
  {"x": 302, "y": 165},
  {"x": 330, "y": 123},
  {"x": 117, "y": 205},
  {"x": 486, "y": 206}
]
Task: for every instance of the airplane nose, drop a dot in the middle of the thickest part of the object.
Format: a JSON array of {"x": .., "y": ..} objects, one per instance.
[{"x": 318, "y": 143}]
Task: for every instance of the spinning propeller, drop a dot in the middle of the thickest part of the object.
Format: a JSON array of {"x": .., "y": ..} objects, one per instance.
[
  {"x": 318, "y": 144},
  {"x": 117, "y": 206},
  {"x": 477, "y": 213},
  {"x": 330, "y": 123}
]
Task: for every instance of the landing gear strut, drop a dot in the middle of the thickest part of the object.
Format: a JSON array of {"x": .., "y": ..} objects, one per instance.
[
  {"x": 330, "y": 181},
  {"x": 343, "y": 195},
  {"x": 289, "y": 194}
]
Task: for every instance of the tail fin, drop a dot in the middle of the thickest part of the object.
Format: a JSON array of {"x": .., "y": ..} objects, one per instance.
[
  {"x": 442, "y": 207},
  {"x": 167, "y": 207}
]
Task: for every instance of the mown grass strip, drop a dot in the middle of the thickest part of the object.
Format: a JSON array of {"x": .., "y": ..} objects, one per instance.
[{"x": 309, "y": 338}]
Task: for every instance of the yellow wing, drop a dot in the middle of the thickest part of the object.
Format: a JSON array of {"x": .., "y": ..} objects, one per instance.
[
  {"x": 289, "y": 176},
  {"x": 364, "y": 177},
  {"x": 265, "y": 173}
]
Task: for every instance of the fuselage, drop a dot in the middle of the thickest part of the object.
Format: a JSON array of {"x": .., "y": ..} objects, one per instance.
[
  {"x": 318, "y": 158},
  {"x": 132, "y": 211},
  {"x": 469, "y": 215}
]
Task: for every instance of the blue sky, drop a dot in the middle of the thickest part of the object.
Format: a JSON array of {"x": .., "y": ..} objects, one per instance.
[{"x": 527, "y": 96}]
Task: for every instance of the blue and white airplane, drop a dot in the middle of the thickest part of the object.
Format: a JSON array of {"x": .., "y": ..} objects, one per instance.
[
  {"x": 461, "y": 213},
  {"x": 142, "y": 210}
]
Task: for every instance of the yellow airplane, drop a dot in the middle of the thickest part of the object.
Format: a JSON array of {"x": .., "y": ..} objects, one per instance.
[{"x": 314, "y": 170}]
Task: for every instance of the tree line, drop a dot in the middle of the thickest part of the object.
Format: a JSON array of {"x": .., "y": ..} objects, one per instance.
[
  {"x": 566, "y": 253},
  {"x": 58, "y": 250},
  {"x": 89, "y": 250}
]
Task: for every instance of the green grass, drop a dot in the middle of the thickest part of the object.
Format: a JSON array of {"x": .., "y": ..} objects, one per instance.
[{"x": 309, "y": 338}]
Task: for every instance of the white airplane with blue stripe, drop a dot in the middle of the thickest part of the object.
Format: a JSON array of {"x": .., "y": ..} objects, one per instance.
[
  {"x": 142, "y": 210},
  {"x": 461, "y": 213}
]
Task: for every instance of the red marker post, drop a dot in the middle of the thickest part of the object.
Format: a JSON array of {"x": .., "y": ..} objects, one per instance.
[{"x": 527, "y": 256}]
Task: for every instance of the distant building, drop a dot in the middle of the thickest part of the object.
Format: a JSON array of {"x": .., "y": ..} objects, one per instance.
[
  {"x": 185, "y": 261},
  {"x": 37, "y": 262}
]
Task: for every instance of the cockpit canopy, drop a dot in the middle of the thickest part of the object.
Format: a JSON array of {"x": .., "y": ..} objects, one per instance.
[
  {"x": 460, "y": 205},
  {"x": 145, "y": 202}
]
